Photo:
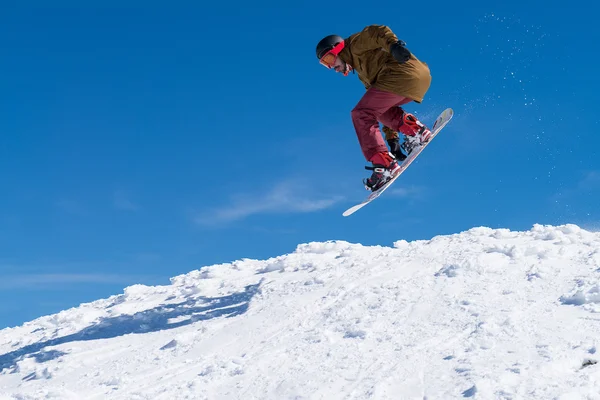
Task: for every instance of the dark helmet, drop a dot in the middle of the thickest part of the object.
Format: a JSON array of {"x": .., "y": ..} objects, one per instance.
[{"x": 327, "y": 43}]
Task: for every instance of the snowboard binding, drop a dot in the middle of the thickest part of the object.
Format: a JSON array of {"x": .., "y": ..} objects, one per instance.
[{"x": 381, "y": 175}]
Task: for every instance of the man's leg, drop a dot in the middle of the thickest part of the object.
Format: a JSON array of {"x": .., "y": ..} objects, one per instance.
[
  {"x": 366, "y": 116},
  {"x": 394, "y": 117},
  {"x": 407, "y": 124}
]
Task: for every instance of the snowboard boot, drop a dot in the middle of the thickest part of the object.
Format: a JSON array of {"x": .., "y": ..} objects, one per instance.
[
  {"x": 395, "y": 149},
  {"x": 415, "y": 133},
  {"x": 384, "y": 168}
]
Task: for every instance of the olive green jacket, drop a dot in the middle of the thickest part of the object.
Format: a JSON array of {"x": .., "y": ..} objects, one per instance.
[{"x": 367, "y": 52}]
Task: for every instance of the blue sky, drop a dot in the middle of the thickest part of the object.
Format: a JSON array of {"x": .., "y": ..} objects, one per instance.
[{"x": 142, "y": 142}]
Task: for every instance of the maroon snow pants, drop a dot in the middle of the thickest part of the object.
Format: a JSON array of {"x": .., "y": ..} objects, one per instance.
[{"x": 376, "y": 106}]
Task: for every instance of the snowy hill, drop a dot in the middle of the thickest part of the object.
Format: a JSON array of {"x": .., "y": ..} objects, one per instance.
[{"x": 484, "y": 314}]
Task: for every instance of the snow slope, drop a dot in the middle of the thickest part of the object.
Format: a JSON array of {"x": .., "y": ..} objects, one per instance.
[{"x": 484, "y": 314}]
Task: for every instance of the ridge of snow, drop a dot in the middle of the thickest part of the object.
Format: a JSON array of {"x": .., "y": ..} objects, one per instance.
[{"x": 485, "y": 313}]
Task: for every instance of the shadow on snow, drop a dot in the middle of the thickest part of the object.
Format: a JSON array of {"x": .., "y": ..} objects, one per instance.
[{"x": 153, "y": 320}]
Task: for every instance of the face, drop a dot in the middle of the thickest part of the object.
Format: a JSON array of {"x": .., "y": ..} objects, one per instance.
[{"x": 339, "y": 66}]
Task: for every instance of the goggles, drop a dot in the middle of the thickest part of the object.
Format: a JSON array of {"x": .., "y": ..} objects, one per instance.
[{"x": 331, "y": 56}]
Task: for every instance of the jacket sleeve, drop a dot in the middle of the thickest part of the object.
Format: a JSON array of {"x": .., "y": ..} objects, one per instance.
[{"x": 371, "y": 38}]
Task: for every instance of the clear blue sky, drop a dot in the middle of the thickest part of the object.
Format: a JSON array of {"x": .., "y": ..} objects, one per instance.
[{"x": 142, "y": 142}]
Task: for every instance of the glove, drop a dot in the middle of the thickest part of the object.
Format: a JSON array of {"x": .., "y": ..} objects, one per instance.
[
  {"x": 400, "y": 52},
  {"x": 395, "y": 149}
]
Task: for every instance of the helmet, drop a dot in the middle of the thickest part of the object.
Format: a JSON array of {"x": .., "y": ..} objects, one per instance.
[{"x": 327, "y": 43}]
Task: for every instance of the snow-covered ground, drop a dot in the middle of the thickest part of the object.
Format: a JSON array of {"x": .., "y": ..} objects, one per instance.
[{"x": 484, "y": 314}]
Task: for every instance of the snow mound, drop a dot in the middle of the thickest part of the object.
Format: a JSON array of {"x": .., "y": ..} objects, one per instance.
[{"x": 486, "y": 313}]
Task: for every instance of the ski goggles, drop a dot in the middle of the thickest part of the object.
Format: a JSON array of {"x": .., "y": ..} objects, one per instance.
[{"x": 329, "y": 58}]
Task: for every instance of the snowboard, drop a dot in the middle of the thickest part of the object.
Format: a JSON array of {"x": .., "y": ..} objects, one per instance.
[{"x": 439, "y": 123}]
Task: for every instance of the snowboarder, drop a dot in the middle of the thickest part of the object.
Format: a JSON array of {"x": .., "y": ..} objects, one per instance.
[{"x": 393, "y": 77}]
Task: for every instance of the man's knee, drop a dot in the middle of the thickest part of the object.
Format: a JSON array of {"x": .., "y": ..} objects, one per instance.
[
  {"x": 363, "y": 115},
  {"x": 355, "y": 113}
]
